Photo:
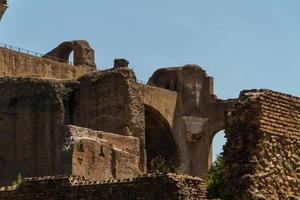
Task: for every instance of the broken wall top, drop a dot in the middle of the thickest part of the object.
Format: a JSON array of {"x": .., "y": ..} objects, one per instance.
[{"x": 262, "y": 156}]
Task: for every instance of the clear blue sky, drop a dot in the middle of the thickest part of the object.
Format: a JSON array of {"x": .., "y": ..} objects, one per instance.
[{"x": 242, "y": 44}]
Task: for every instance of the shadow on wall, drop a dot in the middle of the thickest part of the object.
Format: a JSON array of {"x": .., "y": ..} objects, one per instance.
[{"x": 159, "y": 140}]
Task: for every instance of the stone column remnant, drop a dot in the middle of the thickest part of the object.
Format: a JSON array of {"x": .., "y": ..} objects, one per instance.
[{"x": 262, "y": 153}]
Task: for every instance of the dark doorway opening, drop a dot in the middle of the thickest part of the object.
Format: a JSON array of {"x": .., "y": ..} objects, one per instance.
[{"x": 160, "y": 145}]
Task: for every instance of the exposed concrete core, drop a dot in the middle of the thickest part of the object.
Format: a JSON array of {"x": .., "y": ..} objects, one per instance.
[
  {"x": 199, "y": 115},
  {"x": 158, "y": 187},
  {"x": 16, "y": 64},
  {"x": 31, "y": 128},
  {"x": 87, "y": 152},
  {"x": 182, "y": 114},
  {"x": 33, "y": 115},
  {"x": 110, "y": 101},
  {"x": 262, "y": 153}
]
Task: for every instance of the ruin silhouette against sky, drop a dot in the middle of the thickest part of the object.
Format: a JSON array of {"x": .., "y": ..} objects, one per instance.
[{"x": 242, "y": 45}]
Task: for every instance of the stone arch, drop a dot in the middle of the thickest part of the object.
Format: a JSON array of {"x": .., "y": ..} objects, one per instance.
[
  {"x": 211, "y": 151},
  {"x": 83, "y": 53},
  {"x": 159, "y": 138},
  {"x": 164, "y": 101},
  {"x": 211, "y": 133}
]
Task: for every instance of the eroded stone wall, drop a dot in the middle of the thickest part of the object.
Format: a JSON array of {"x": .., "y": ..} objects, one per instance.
[
  {"x": 34, "y": 113},
  {"x": 158, "y": 187},
  {"x": 99, "y": 155},
  {"x": 31, "y": 127},
  {"x": 13, "y": 63},
  {"x": 83, "y": 53},
  {"x": 110, "y": 101},
  {"x": 262, "y": 153},
  {"x": 199, "y": 114}
]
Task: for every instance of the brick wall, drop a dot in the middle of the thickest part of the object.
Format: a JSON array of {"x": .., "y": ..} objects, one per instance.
[
  {"x": 16, "y": 64},
  {"x": 110, "y": 101},
  {"x": 158, "y": 187},
  {"x": 31, "y": 127},
  {"x": 34, "y": 112},
  {"x": 262, "y": 154},
  {"x": 99, "y": 155}
]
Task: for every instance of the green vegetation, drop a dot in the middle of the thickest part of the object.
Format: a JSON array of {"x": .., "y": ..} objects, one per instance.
[
  {"x": 160, "y": 165},
  {"x": 215, "y": 179},
  {"x": 17, "y": 182},
  {"x": 67, "y": 93}
]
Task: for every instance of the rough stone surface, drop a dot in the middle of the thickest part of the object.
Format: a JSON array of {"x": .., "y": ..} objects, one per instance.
[
  {"x": 162, "y": 101},
  {"x": 16, "y": 64},
  {"x": 198, "y": 116},
  {"x": 31, "y": 127},
  {"x": 83, "y": 53},
  {"x": 262, "y": 153},
  {"x": 121, "y": 62},
  {"x": 99, "y": 155},
  {"x": 100, "y": 125},
  {"x": 34, "y": 112},
  {"x": 110, "y": 101},
  {"x": 159, "y": 187}
]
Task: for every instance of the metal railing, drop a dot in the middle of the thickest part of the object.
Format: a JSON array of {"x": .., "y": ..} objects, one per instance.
[{"x": 32, "y": 53}]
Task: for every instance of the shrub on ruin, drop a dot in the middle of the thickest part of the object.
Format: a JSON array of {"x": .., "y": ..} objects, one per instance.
[
  {"x": 215, "y": 179},
  {"x": 160, "y": 165},
  {"x": 17, "y": 182}
]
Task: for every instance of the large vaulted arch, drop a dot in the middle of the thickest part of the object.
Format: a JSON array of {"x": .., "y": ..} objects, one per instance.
[{"x": 159, "y": 138}]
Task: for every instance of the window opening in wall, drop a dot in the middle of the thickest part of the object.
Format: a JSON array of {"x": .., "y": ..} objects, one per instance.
[
  {"x": 218, "y": 142},
  {"x": 71, "y": 58}
]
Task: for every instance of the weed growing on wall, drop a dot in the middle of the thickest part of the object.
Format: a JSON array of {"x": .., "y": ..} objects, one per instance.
[{"x": 17, "y": 182}]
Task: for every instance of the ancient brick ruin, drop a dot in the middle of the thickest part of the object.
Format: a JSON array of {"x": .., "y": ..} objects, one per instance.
[
  {"x": 262, "y": 154},
  {"x": 85, "y": 133},
  {"x": 111, "y": 101},
  {"x": 172, "y": 187}
]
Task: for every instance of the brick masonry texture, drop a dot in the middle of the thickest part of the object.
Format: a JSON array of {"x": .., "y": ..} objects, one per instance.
[
  {"x": 262, "y": 154},
  {"x": 58, "y": 119},
  {"x": 198, "y": 114},
  {"x": 31, "y": 127},
  {"x": 99, "y": 155},
  {"x": 158, "y": 187},
  {"x": 34, "y": 114},
  {"x": 110, "y": 101},
  {"x": 13, "y": 63}
]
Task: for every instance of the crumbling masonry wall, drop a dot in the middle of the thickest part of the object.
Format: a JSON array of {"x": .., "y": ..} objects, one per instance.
[
  {"x": 99, "y": 155},
  {"x": 31, "y": 127},
  {"x": 262, "y": 153},
  {"x": 16, "y": 64},
  {"x": 198, "y": 114},
  {"x": 34, "y": 113},
  {"x": 158, "y": 187},
  {"x": 110, "y": 101}
]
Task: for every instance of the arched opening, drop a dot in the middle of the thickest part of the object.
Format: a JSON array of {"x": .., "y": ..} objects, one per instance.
[
  {"x": 217, "y": 143},
  {"x": 66, "y": 54},
  {"x": 160, "y": 144},
  {"x": 71, "y": 58}
]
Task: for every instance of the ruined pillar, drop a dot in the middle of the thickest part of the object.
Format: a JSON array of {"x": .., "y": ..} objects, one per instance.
[
  {"x": 199, "y": 114},
  {"x": 262, "y": 153}
]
